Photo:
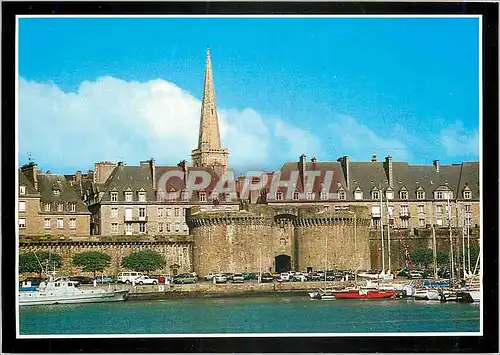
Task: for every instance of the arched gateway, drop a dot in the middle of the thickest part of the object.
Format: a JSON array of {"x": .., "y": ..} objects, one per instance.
[{"x": 283, "y": 263}]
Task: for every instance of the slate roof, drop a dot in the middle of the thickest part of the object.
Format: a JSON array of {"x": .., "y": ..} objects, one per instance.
[
  {"x": 46, "y": 185},
  {"x": 23, "y": 180},
  {"x": 338, "y": 178}
]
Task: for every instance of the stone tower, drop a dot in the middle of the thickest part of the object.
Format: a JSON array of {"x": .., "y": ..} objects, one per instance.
[{"x": 209, "y": 152}]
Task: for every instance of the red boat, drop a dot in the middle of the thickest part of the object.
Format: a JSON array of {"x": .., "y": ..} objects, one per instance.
[{"x": 360, "y": 294}]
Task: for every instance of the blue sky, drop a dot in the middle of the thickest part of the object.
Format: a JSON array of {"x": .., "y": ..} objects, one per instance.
[{"x": 130, "y": 89}]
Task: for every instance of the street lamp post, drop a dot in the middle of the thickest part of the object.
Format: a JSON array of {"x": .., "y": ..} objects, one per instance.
[{"x": 260, "y": 262}]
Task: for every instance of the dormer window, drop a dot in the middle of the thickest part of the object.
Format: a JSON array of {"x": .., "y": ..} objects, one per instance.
[
  {"x": 172, "y": 196},
  {"x": 358, "y": 195},
  {"x": 439, "y": 195},
  {"x": 46, "y": 207},
  {"x": 389, "y": 194},
  {"x": 142, "y": 196},
  {"x": 279, "y": 196},
  {"x": 214, "y": 196},
  {"x": 342, "y": 195},
  {"x": 375, "y": 195},
  {"x": 403, "y": 195},
  {"x": 310, "y": 196},
  {"x": 22, "y": 190},
  {"x": 467, "y": 194},
  {"x": 56, "y": 192},
  {"x": 128, "y": 196},
  {"x": 228, "y": 197},
  {"x": 60, "y": 207},
  {"x": 296, "y": 195},
  {"x": 185, "y": 196},
  {"x": 114, "y": 196},
  {"x": 420, "y": 195},
  {"x": 324, "y": 195},
  {"x": 72, "y": 207},
  {"x": 202, "y": 196}
]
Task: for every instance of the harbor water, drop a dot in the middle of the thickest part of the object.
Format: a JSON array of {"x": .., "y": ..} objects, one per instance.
[{"x": 275, "y": 314}]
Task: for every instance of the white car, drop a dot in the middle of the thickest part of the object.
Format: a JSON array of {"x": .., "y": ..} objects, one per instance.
[
  {"x": 145, "y": 280},
  {"x": 284, "y": 276},
  {"x": 237, "y": 278},
  {"x": 220, "y": 278},
  {"x": 209, "y": 276},
  {"x": 128, "y": 277}
]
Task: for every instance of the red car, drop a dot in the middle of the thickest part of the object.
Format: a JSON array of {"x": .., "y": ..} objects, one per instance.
[{"x": 160, "y": 278}]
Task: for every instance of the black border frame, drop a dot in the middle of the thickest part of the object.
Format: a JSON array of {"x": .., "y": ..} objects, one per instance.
[{"x": 486, "y": 343}]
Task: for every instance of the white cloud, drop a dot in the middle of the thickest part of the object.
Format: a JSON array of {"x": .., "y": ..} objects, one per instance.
[
  {"x": 458, "y": 141},
  {"x": 113, "y": 119},
  {"x": 349, "y": 137}
]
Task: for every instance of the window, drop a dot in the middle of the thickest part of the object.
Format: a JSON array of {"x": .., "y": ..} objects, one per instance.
[
  {"x": 60, "y": 207},
  {"x": 22, "y": 190},
  {"x": 403, "y": 210},
  {"x": 142, "y": 197},
  {"x": 279, "y": 196},
  {"x": 22, "y": 223},
  {"x": 142, "y": 213},
  {"x": 185, "y": 227},
  {"x": 295, "y": 195},
  {"x": 176, "y": 212},
  {"x": 169, "y": 212},
  {"x": 114, "y": 196},
  {"x": 467, "y": 195},
  {"x": 177, "y": 226},
  {"x": 128, "y": 196},
  {"x": 160, "y": 211},
  {"x": 56, "y": 192},
  {"x": 114, "y": 213},
  {"x": 439, "y": 195},
  {"x": 420, "y": 195},
  {"x": 342, "y": 195},
  {"x": 404, "y": 223},
  {"x": 169, "y": 227},
  {"x": 22, "y": 206},
  {"x": 202, "y": 196},
  {"x": 439, "y": 209},
  {"x": 450, "y": 195},
  {"x": 468, "y": 208},
  {"x": 114, "y": 228},
  {"x": 375, "y": 223},
  {"x": 128, "y": 228},
  {"x": 172, "y": 196},
  {"x": 439, "y": 221},
  {"x": 128, "y": 214},
  {"x": 142, "y": 227},
  {"x": 46, "y": 223},
  {"x": 60, "y": 223},
  {"x": 376, "y": 211},
  {"x": 421, "y": 209},
  {"x": 47, "y": 207},
  {"x": 389, "y": 194},
  {"x": 358, "y": 195},
  {"x": 72, "y": 223},
  {"x": 183, "y": 211},
  {"x": 421, "y": 222},
  {"x": 324, "y": 195},
  {"x": 228, "y": 197},
  {"x": 403, "y": 195},
  {"x": 214, "y": 196},
  {"x": 375, "y": 195},
  {"x": 72, "y": 207},
  {"x": 310, "y": 196},
  {"x": 160, "y": 227},
  {"x": 185, "y": 195}
]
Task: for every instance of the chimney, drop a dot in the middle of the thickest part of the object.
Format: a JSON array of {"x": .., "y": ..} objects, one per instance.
[
  {"x": 78, "y": 176},
  {"x": 152, "y": 165},
  {"x": 374, "y": 158},
  {"x": 302, "y": 168},
  {"x": 103, "y": 170},
  {"x": 31, "y": 172},
  {"x": 344, "y": 163},
  {"x": 388, "y": 170},
  {"x": 313, "y": 160},
  {"x": 436, "y": 165}
]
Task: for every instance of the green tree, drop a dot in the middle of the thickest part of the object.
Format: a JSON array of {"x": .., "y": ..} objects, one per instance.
[
  {"x": 474, "y": 252},
  {"x": 91, "y": 261},
  {"x": 29, "y": 262},
  {"x": 144, "y": 261},
  {"x": 443, "y": 257},
  {"x": 423, "y": 256}
]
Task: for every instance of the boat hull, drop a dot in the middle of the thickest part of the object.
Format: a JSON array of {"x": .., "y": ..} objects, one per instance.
[
  {"x": 370, "y": 294},
  {"x": 114, "y": 296},
  {"x": 427, "y": 295}
]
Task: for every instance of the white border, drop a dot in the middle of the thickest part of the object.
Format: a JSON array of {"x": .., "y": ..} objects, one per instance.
[{"x": 251, "y": 335}]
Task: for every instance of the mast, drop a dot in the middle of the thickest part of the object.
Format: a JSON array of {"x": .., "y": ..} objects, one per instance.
[
  {"x": 468, "y": 239},
  {"x": 434, "y": 251},
  {"x": 463, "y": 249},
  {"x": 389, "y": 215},
  {"x": 382, "y": 232},
  {"x": 326, "y": 257},
  {"x": 452, "y": 272}
]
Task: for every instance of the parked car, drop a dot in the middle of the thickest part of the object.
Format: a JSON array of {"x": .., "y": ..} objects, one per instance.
[
  {"x": 267, "y": 277},
  {"x": 415, "y": 275},
  {"x": 313, "y": 276},
  {"x": 403, "y": 273},
  {"x": 128, "y": 276},
  {"x": 185, "y": 279},
  {"x": 146, "y": 280},
  {"x": 237, "y": 278},
  {"x": 284, "y": 276},
  {"x": 105, "y": 279},
  {"x": 209, "y": 276},
  {"x": 250, "y": 276},
  {"x": 34, "y": 281},
  {"x": 220, "y": 278},
  {"x": 299, "y": 276},
  {"x": 161, "y": 278},
  {"x": 83, "y": 280}
]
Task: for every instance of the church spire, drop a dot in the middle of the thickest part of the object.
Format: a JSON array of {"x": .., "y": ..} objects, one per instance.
[
  {"x": 209, "y": 152},
  {"x": 209, "y": 136}
]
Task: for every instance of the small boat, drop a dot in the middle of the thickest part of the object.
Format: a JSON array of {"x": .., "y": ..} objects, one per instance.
[
  {"x": 427, "y": 295},
  {"x": 322, "y": 294},
  {"x": 361, "y": 293},
  {"x": 64, "y": 291}
]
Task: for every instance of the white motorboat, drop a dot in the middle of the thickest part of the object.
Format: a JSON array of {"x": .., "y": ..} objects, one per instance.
[
  {"x": 322, "y": 294},
  {"x": 63, "y": 291},
  {"x": 427, "y": 294}
]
